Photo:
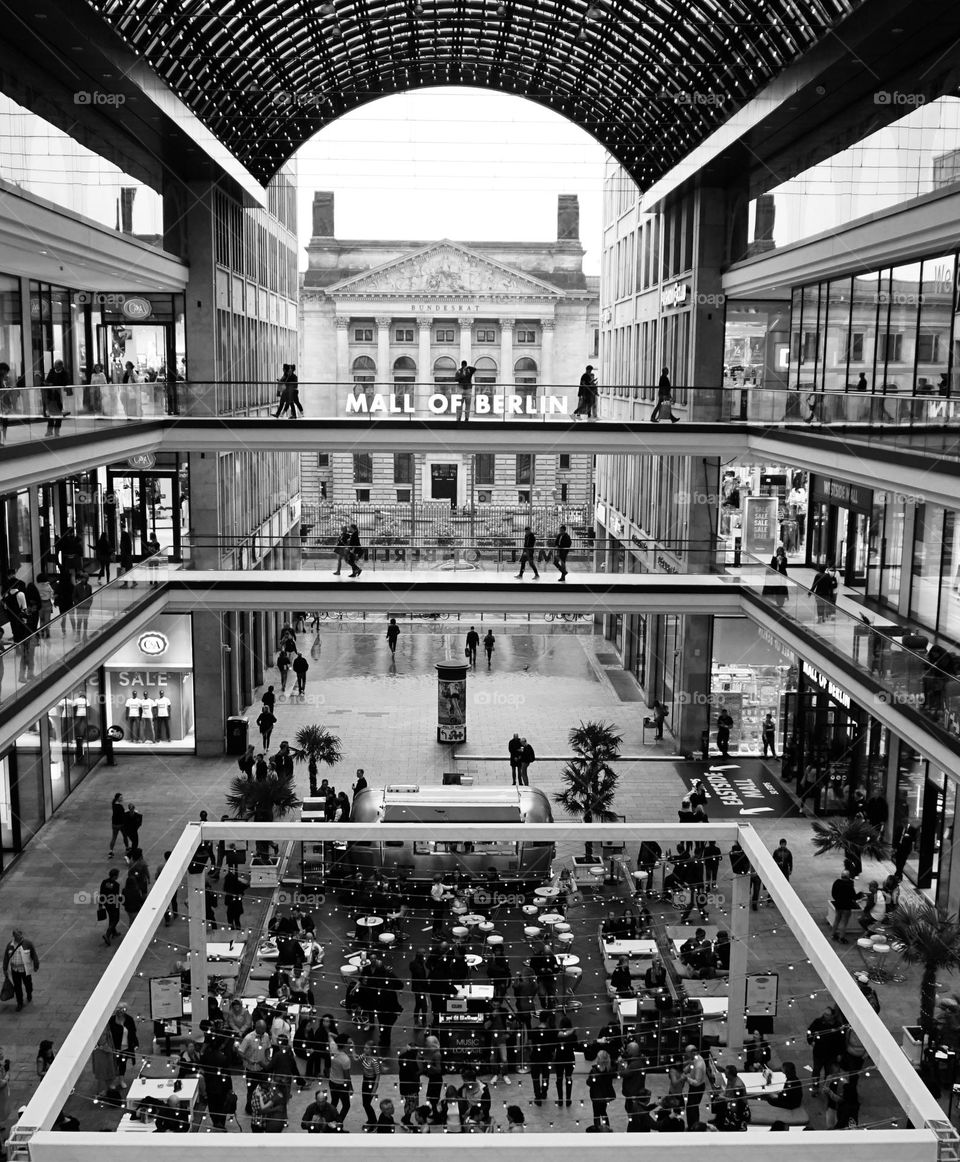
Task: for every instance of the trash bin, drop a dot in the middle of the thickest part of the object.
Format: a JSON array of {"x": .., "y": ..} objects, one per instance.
[{"x": 237, "y": 730}]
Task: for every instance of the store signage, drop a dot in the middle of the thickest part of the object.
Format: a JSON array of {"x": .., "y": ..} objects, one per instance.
[
  {"x": 378, "y": 403},
  {"x": 674, "y": 296},
  {"x": 825, "y": 684},
  {"x": 762, "y": 993},
  {"x": 142, "y": 460},
  {"x": 446, "y": 308},
  {"x": 601, "y": 513},
  {"x": 842, "y": 493},
  {"x": 761, "y": 529},
  {"x": 153, "y": 643},
  {"x": 142, "y": 677},
  {"x": 136, "y": 309},
  {"x": 731, "y": 793}
]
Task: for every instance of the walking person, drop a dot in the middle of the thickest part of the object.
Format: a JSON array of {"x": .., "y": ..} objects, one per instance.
[
  {"x": 906, "y": 837},
  {"x": 82, "y": 599},
  {"x": 768, "y": 735},
  {"x": 489, "y": 643},
  {"x": 473, "y": 642},
  {"x": 566, "y": 1041},
  {"x": 393, "y": 633},
  {"x": 783, "y": 858},
  {"x": 52, "y": 397},
  {"x": 600, "y": 1087},
  {"x": 514, "y": 747},
  {"x": 775, "y": 588},
  {"x": 283, "y": 393},
  {"x": 526, "y": 757},
  {"x": 265, "y": 723},
  {"x": 370, "y": 1081},
  {"x": 340, "y": 548},
  {"x": 103, "y": 551},
  {"x": 664, "y": 398},
  {"x": 109, "y": 899},
  {"x": 528, "y": 554},
  {"x": 587, "y": 394},
  {"x": 724, "y": 723},
  {"x": 464, "y": 377},
  {"x": 20, "y": 962},
  {"x": 300, "y": 667},
  {"x": 125, "y": 554},
  {"x": 254, "y": 1052},
  {"x": 283, "y": 669},
  {"x": 824, "y": 590},
  {"x": 341, "y": 1087},
  {"x": 695, "y": 1071},
  {"x": 844, "y": 897},
  {"x": 118, "y": 821},
  {"x": 564, "y": 544},
  {"x": 659, "y": 715},
  {"x": 132, "y": 822},
  {"x": 354, "y": 551}
]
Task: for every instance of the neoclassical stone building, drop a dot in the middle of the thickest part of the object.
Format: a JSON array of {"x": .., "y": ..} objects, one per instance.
[{"x": 395, "y": 318}]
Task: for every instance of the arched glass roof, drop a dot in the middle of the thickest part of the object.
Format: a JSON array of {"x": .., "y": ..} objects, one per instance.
[{"x": 648, "y": 80}]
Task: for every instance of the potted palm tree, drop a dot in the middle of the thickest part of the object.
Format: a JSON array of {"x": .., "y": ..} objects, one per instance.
[
  {"x": 591, "y": 782},
  {"x": 263, "y": 801},
  {"x": 930, "y": 936},
  {"x": 316, "y": 745},
  {"x": 854, "y": 837}
]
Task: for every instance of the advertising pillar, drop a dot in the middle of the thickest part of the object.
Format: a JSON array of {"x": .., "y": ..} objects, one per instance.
[{"x": 451, "y": 702}]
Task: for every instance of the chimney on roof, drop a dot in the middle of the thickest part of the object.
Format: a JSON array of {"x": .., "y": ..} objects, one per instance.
[
  {"x": 323, "y": 214},
  {"x": 568, "y": 218}
]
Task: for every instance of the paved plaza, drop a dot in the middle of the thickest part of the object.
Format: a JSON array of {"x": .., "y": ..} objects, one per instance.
[{"x": 384, "y": 710}]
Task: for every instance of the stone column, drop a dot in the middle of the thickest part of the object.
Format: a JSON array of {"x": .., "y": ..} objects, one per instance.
[
  {"x": 546, "y": 354},
  {"x": 424, "y": 370},
  {"x": 466, "y": 338},
  {"x": 343, "y": 358},
  {"x": 506, "y": 356},
  {"x": 384, "y": 370}
]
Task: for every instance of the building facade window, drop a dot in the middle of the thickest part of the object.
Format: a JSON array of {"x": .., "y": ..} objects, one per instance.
[
  {"x": 404, "y": 495},
  {"x": 403, "y": 467},
  {"x": 362, "y": 468},
  {"x": 484, "y": 466},
  {"x": 445, "y": 335},
  {"x": 486, "y": 335},
  {"x": 363, "y": 334},
  {"x": 363, "y": 496},
  {"x": 524, "y": 468},
  {"x": 564, "y": 461},
  {"x": 525, "y": 335},
  {"x": 403, "y": 335},
  {"x": 323, "y": 459}
]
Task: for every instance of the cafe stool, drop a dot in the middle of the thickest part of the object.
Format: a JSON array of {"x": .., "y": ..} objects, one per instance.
[
  {"x": 485, "y": 927},
  {"x": 565, "y": 940},
  {"x": 530, "y": 910},
  {"x": 395, "y": 920},
  {"x": 387, "y": 939},
  {"x": 494, "y": 941},
  {"x": 349, "y": 972},
  {"x": 460, "y": 932},
  {"x": 571, "y": 983},
  {"x": 563, "y": 926},
  {"x": 460, "y": 908},
  {"x": 531, "y": 931},
  {"x": 879, "y": 973}
]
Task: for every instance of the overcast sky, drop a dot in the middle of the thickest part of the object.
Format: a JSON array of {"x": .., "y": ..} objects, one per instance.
[{"x": 465, "y": 164}]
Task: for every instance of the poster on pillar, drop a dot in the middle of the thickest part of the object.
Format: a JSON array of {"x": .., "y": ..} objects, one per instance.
[
  {"x": 762, "y": 993},
  {"x": 451, "y": 702},
  {"x": 761, "y": 532}
]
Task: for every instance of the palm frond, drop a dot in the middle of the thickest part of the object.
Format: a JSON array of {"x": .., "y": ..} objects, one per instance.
[
  {"x": 316, "y": 743},
  {"x": 262, "y": 800},
  {"x": 849, "y": 836},
  {"x": 930, "y": 936}
]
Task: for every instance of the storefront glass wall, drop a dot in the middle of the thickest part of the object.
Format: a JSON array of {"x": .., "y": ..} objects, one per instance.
[
  {"x": 11, "y": 339},
  {"x": 926, "y": 799},
  {"x": 749, "y": 677},
  {"x": 888, "y": 331},
  {"x": 29, "y": 798},
  {"x": 74, "y": 738}
]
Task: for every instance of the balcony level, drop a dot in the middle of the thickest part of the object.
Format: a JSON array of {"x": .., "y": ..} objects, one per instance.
[{"x": 865, "y": 663}]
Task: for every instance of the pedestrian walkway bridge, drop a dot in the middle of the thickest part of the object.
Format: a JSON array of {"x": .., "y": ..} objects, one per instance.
[{"x": 867, "y": 663}]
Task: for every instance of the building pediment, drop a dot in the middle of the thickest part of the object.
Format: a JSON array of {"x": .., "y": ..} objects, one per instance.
[{"x": 442, "y": 269}]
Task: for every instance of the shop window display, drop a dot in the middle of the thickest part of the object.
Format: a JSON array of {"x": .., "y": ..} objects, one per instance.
[{"x": 749, "y": 677}]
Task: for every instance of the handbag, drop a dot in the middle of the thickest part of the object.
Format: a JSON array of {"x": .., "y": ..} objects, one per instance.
[
  {"x": 6, "y": 991},
  {"x": 466, "y": 651},
  {"x": 101, "y": 913}
]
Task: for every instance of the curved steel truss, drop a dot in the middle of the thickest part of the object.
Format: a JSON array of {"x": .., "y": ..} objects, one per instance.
[{"x": 648, "y": 80}]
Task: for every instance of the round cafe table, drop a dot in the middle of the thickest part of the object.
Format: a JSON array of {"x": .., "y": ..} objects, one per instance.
[
  {"x": 550, "y": 919},
  {"x": 530, "y": 909},
  {"x": 562, "y": 926},
  {"x": 349, "y": 971},
  {"x": 473, "y": 961},
  {"x": 565, "y": 939},
  {"x": 268, "y": 951},
  {"x": 358, "y": 959},
  {"x": 486, "y": 927},
  {"x": 367, "y": 925},
  {"x": 547, "y": 893},
  {"x": 472, "y": 919},
  {"x": 567, "y": 960}
]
